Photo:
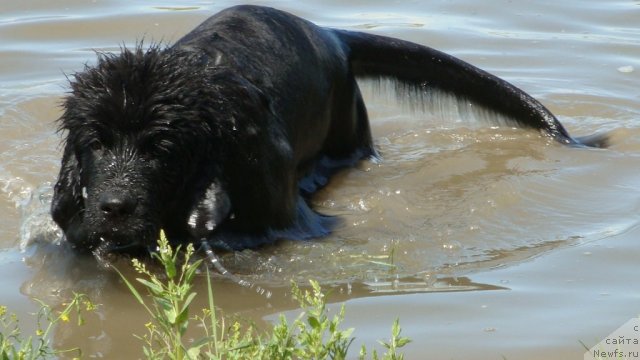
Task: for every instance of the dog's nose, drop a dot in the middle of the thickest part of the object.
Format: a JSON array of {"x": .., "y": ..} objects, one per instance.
[{"x": 116, "y": 205}]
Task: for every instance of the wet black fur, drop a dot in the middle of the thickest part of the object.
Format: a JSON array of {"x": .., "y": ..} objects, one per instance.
[{"x": 225, "y": 134}]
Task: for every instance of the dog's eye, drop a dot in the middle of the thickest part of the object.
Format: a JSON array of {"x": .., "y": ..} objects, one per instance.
[{"x": 95, "y": 145}]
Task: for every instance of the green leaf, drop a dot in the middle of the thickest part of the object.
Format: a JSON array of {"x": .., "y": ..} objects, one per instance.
[
  {"x": 183, "y": 316},
  {"x": 187, "y": 302},
  {"x": 170, "y": 268},
  {"x": 164, "y": 303},
  {"x": 313, "y": 321},
  {"x": 194, "y": 352},
  {"x": 170, "y": 315},
  {"x": 155, "y": 288},
  {"x": 402, "y": 342},
  {"x": 191, "y": 270},
  {"x": 132, "y": 289}
]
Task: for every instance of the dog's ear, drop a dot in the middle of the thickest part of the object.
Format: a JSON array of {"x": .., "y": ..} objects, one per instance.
[
  {"x": 68, "y": 201},
  {"x": 213, "y": 208}
]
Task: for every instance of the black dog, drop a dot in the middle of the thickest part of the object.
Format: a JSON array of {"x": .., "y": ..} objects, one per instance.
[{"x": 226, "y": 133}]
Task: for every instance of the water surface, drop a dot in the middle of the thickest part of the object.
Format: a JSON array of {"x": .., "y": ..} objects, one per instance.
[{"x": 502, "y": 241}]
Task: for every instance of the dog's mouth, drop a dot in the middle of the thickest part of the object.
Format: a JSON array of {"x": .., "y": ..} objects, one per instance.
[
  {"x": 116, "y": 246},
  {"x": 122, "y": 239},
  {"x": 108, "y": 249}
]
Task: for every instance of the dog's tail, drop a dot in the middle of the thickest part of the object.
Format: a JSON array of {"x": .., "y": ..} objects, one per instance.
[{"x": 421, "y": 69}]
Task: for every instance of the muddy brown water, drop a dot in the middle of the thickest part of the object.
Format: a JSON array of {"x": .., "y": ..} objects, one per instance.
[{"x": 504, "y": 243}]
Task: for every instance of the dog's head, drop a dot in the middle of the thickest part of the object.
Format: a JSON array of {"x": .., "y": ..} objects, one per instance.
[{"x": 135, "y": 148}]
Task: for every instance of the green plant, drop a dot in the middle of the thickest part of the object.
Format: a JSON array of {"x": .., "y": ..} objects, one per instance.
[
  {"x": 319, "y": 336},
  {"x": 312, "y": 335},
  {"x": 395, "y": 343},
  {"x": 14, "y": 345},
  {"x": 170, "y": 303}
]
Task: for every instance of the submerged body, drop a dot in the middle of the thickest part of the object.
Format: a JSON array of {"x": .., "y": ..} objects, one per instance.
[{"x": 225, "y": 135}]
